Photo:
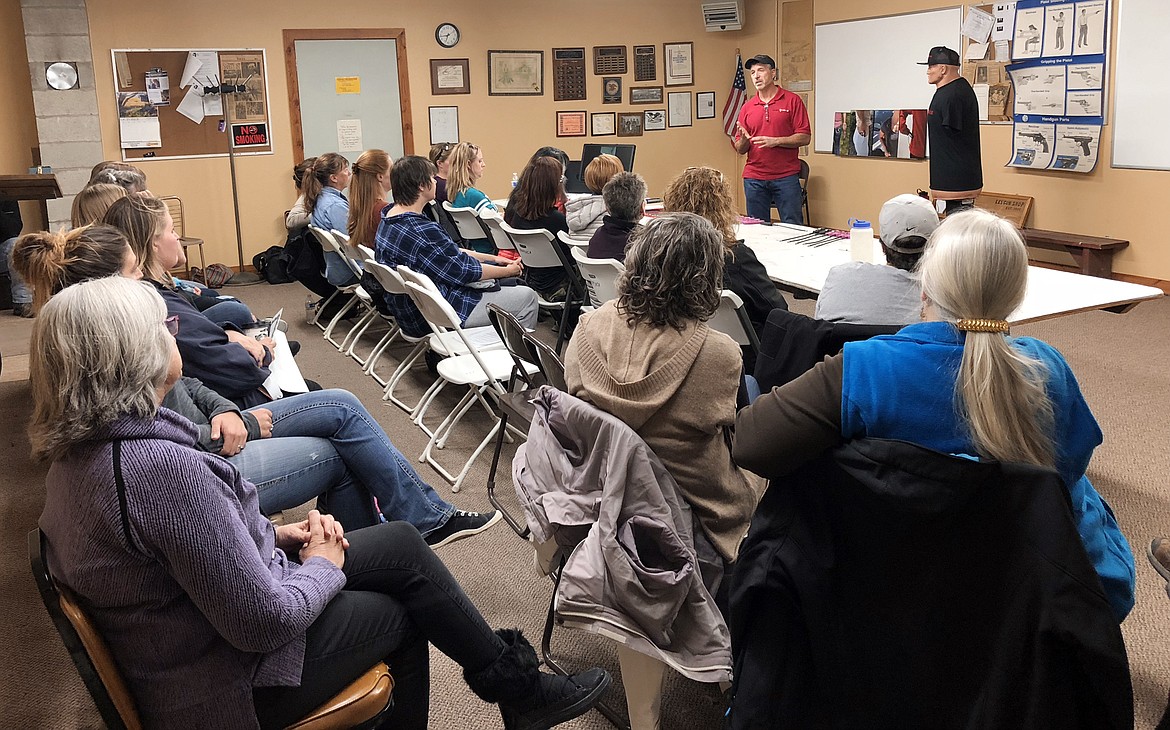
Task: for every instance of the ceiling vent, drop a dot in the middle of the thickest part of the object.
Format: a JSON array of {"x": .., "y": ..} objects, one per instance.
[{"x": 724, "y": 15}]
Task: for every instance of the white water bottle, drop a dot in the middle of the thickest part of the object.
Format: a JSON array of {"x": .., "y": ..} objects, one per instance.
[
  {"x": 860, "y": 240},
  {"x": 515, "y": 180}
]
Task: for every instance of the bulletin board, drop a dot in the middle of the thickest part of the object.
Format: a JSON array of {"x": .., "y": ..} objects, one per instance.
[
  {"x": 872, "y": 63},
  {"x": 986, "y": 58},
  {"x": 180, "y": 136}
]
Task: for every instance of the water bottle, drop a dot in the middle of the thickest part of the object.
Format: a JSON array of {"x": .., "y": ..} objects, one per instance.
[
  {"x": 515, "y": 180},
  {"x": 310, "y": 309},
  {"x": 860, "y": 240}
]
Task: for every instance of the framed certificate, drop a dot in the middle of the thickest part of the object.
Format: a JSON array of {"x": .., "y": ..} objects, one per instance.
[
  {"x": 655, "y": 120},
  {"x": 679, "y": 59},
  {"x": 450, "y": 76},
  {"x": 678, "y": 107},
  {"x": 705, "y": 105},
  {"x": 571, "y": 124},
  {"x": 604, "y": 124},
  {"x": 515, "y": 73}
]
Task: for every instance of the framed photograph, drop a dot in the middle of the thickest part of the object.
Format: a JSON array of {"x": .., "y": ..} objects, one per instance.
[
  {"x": 629, "y": 124},
  {"x": 604, "y": 124},
  {"x": 611, "y": 90},
  {"x": 679, "y": 59},
  {"x": 705, "y": 105},
  {"x": 678, "y": 106},
  {"x": 450, "y": 76},
  {"x": 655, "y": 120},
  {"x": 515, "y": 73},
  {"x": 571, "y": 124},
  {"x": 444, "y": 124},
  {"x": 645, "y": 94}
]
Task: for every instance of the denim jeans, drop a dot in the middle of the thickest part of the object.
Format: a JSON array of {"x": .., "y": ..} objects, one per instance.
[
  {"x": 230, "y": 311},
  {"x": 398, "y": 597},
  {"x": 21, "y": 293},
  {"x": 326, "y": 444},
  {"x": 784, "y": 193},
  {"x": 337, "y": 272}
]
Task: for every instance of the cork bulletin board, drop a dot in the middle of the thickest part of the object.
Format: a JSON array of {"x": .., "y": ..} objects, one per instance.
[{"x": 179, "y": 135}]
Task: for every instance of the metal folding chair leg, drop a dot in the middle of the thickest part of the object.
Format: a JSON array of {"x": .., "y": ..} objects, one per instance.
[{"x": 521, "y": 529}]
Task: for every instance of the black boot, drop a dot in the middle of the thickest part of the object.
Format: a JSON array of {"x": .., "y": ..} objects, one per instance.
[{"x": 530, "y": 699}]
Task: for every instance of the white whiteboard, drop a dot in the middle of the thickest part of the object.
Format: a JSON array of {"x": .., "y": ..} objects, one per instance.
[
  {"x": 1141, "y": 97},
  {"x": 872, "y": 64}
]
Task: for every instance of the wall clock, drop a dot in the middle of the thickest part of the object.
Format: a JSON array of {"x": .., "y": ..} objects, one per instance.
[{"x": 447, "y": 35}]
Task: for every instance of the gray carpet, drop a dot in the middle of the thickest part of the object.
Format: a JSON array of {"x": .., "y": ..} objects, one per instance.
[{"x": 1120, "y": 361}]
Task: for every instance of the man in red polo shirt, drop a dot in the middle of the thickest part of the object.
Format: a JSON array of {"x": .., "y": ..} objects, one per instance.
[{"x": 771, "y": 126}]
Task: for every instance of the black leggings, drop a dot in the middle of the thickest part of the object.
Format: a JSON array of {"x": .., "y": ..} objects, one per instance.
[{"x": 398, "y": 597}]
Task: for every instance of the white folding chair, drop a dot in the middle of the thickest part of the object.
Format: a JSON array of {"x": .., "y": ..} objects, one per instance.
[
  {"x": 493, "y": 222},
  {"x": 538, "y": 249},
  {"x": 600, "y": 276},
  {"x": 483, "y": 372},
  {"x": 574, "y": 242},
  {"x": 359, "y": 296},
  {"x": 444, "y": 344},
  {"x": 363, "y": 257},
  {"x": 732, "y": 320},
  {"x": 466, "y": 221}
]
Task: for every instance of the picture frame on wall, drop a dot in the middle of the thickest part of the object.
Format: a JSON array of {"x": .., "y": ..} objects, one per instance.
[
  {"x": 655, "y": 120},
  {"x": 444, "y": 124},
  {"x": 705, "y": 105},
  {"x": 679, "y": 61},
  {"x": 629, "y": 124},
  {"x": 611, "y": 90},
  {"x": 603, "y": 124},
  {"x": 678, "y": 106},
  {"x": 515, "y": 73},
  {"x": 645, "y": 94},
  {"x": 571, "y": 124},
  {"x": 450, "y": 76}
]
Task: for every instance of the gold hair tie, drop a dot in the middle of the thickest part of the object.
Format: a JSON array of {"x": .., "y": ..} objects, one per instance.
[{"x": 983, "y": 325}]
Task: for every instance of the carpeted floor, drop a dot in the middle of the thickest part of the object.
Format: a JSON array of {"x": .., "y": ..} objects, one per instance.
[{"x": 1119, "y": 360}]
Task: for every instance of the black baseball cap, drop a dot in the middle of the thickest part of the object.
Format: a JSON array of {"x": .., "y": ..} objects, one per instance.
[
  {"x": 761, "y": 58},
  {"x": 941, "y": 54}
]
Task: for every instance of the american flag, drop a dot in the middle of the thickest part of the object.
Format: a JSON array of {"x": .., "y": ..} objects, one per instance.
[{"x": 735, "y": 99}]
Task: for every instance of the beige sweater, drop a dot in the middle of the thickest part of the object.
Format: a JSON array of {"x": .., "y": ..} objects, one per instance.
[{"x": 677, "y": 390}]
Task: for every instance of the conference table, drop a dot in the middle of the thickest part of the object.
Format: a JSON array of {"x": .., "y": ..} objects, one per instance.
[{"x": 798, "y": 260}]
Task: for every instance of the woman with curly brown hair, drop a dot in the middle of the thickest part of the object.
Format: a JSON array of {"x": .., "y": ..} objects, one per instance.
[
  {"x": 704, "y": 191},
  {"x": 650, "y": 359}
]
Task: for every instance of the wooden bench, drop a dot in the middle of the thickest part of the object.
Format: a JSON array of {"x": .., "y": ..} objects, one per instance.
[{"x": 1094, "y": 255}]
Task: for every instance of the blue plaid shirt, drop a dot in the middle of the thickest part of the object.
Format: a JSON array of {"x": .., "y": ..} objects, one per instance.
[{"x": 415, "y": 241}]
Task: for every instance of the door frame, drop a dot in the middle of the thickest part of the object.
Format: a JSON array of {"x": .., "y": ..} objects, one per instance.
[{"x": 291, "y": 36}]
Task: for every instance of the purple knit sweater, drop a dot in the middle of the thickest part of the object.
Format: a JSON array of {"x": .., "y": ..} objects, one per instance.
[{"x": 198, "y": 605}]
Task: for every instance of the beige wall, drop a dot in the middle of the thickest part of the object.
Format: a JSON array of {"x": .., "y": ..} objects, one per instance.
[
  {"x": 18, "y": 124},
  {"x": 1106, "y": 202},
  {"x": 509, "y": 129}
]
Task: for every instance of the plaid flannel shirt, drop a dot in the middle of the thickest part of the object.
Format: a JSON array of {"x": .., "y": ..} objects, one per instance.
[{"x": 415, "y": 241}]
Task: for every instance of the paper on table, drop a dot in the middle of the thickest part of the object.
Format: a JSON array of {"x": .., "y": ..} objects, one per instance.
[
  {"x": 978, "y": 24},
  {"x": 981, "y": 92},
  {"x": 976, "y": 51},
  {"x": 284, "y": 375},
  {"x": 191, "y": 106}
]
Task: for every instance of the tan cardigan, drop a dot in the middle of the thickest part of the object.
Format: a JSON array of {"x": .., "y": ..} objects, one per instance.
[{"x": 677, "y": 390}]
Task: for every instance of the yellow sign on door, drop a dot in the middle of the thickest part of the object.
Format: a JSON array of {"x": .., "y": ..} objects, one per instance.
[{"x": 348, "y": 84}]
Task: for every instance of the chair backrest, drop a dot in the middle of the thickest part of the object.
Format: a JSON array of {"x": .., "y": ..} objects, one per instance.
[
  {"x": 175, "y": 208},
  {"x": 512, "y": 333},
  {"x": 731, "y": 319},
  {"x": 387, "y": 277},
  {"x": 493, "y": 222},
  {"x": 409, "y": 274},
  {"x": 535, "y": 246},
  {"x": 803, "y": 174},
  {"x": 466, "y": 221},
  {"x": 365, "y": 253},
  {"x": 565, "y": 238},
  {"x": 86, "y": 646},
  {"x": 353, "y": 258},
  {"x": 600, "y": 276},
  {"x": 550, "y": 363}
]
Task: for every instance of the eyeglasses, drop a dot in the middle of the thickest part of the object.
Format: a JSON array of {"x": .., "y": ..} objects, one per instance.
[{"x": 172, "y": 325}]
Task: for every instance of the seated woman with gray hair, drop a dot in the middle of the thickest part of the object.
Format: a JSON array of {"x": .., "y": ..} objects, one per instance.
[
  {"x": 214, "y": 616},
  {"x": 625, "y": 204}
]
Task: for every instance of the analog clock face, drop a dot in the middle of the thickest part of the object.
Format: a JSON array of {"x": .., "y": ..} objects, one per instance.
[{"x": 447, "y": 35}]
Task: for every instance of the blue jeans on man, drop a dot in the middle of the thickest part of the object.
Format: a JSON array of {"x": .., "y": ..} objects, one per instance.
[
  {"x": 21, "y": 293},
  {"x": 783, "y": 193}
]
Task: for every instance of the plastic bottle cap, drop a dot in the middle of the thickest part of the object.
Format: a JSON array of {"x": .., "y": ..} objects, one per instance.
[{"x": 856, "y": 223}]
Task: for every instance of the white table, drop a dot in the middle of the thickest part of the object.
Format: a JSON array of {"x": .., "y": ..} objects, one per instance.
[{"x": 1050, "y": 294}]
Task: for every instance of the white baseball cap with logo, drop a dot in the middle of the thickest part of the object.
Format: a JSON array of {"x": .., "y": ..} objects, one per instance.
[{"x": 906, "y": 215}]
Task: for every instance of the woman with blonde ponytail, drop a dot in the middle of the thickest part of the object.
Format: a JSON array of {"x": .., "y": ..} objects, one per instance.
[
  {"x": 955, "y": 383},
  {"x": 49, "y": 262}
]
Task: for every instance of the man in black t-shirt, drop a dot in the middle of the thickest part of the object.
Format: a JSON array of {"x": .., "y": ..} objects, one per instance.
[{"x": 956, "y": 166}]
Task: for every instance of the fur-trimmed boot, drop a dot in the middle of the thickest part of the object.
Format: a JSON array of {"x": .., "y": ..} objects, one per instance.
[{"x": 530, "y": 699}]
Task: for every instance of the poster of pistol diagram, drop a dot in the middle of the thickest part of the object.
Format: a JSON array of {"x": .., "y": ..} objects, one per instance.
[{"x": 1059, "y": 78}]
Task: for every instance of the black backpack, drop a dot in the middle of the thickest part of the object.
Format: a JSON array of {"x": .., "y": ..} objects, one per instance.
[
  {"x": 306, "y": 262},
  {"x": 272, "y": 265}
]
